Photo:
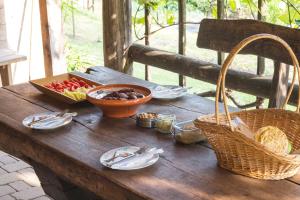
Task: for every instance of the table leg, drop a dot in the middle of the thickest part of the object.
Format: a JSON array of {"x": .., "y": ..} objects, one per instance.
[
  {"x": 6, "y": 77},
  {"x": 58, "y": 188}
]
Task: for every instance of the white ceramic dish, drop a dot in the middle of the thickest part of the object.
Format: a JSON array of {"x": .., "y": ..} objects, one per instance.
[
  {"x": 168, "y": 92},
  {"x": 48, "y": 125},
  {"x": 127, "y": 165}
]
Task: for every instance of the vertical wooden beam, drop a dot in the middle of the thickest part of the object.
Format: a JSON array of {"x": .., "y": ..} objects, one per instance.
[
  {"x": 182, "y": 34},
  {"x": 279, "y": 85},
  {"x": 116, "y": 33},
  {"x": 220, "y": 15},
  {"x": 110, "y": 34},
  {"x": 147, "y": 34},
  {"x": 220, "y": 55},
  {"x": 5, "y": 73},
  {"x": 125, "y": 8},
  {"x": 46, "y": 38},
  {"x": 260, "y": 60}
]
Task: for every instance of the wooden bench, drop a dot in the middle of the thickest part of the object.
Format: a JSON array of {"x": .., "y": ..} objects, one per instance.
[
  {"x": 223, "y": 35},
  {"x": 7, "y": 57}
]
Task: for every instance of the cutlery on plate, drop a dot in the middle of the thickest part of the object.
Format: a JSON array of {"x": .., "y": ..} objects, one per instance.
[
  {"x": 51, "y": 118},
  {"x": 136, "y": 153},
  {"x": 116, "y": 155},
  {"x": 151, "y": 150},
  {"x": 53, "y": 121},
  {"x": 125, "y": 154}
]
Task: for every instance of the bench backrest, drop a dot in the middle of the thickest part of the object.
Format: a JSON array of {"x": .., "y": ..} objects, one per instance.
[{"x": 223, "y": 35}]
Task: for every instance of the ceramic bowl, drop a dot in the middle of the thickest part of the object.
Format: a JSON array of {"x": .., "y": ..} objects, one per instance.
[{"x": 119, "y": 108}]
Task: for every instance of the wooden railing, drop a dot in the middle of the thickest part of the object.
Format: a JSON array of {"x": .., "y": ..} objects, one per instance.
[{"x": 241, "y": 81}]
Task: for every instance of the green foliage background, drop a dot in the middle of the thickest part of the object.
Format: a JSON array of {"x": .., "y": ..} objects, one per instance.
[{"x": 283, "y": 12}]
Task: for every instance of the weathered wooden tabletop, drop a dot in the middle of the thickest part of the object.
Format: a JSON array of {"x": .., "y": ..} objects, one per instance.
[{"x": 72, "y": 153}]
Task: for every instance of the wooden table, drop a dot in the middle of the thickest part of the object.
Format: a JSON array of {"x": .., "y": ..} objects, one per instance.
[{"x": 69, "y": 156}]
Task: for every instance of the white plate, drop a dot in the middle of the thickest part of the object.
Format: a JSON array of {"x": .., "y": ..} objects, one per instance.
[
  {"x": 128, "y": 149},
  {"x": 62, "y": 121},
  {"x": 168, "y": 92}
]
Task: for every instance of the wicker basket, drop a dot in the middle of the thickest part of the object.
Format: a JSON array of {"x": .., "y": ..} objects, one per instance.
[{"x": 241, "y": 154}]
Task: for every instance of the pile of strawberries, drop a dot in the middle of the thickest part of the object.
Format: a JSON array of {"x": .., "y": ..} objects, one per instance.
[{"x": 70, "y": 85}]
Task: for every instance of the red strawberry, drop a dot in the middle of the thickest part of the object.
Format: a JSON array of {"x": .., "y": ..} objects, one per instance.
[
  {"x": 82, "y": 83},
  {"x": 66, "y": 82}
]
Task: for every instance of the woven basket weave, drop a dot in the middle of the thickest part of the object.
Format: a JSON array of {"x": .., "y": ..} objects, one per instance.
[{"x": 241, "y": 154}]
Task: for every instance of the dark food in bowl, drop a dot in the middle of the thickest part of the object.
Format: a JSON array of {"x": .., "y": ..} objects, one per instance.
[
  {"x": 118, "y": 106},
  {"x": 122, "y": 94}
]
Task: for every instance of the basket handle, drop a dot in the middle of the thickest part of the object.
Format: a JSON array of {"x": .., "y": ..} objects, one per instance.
[{"x": 229, "y": 59}]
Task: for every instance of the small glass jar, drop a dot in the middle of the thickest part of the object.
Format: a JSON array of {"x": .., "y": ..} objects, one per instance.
[
  {"x": 187, "y": 133},
  {"x": 164, "y": 123},
  {"x": 146, "y": 120}
]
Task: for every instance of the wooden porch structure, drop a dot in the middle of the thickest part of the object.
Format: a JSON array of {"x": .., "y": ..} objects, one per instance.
[{"x": 67, "y": 159}]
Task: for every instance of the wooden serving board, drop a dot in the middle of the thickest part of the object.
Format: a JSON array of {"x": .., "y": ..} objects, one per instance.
[{"x": 39, "y": 84}]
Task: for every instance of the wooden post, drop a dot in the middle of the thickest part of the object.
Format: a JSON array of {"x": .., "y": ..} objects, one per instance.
[
  {"x": 182, "y": 34},
  {"x": 116, "y": 33},
  {"x": 46, "y": 38},
  {"x": 279, "y": 85},
  {"x": 147, "y": 34},
  {"x": 5, "y": 73},
  {"x": 260, "y": 60},
  {"x": 220, "y": 15}
]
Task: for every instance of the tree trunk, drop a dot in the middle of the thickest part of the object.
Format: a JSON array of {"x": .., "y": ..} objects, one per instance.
[{"x": 116, "y": 33}]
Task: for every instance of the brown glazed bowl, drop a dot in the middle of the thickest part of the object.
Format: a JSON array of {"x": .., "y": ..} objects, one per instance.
[{"x": 119, "y": 108}]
